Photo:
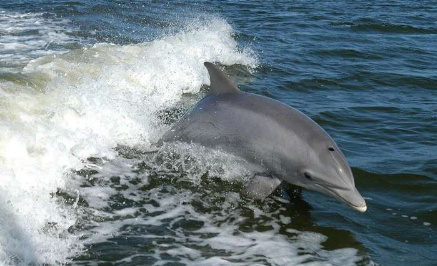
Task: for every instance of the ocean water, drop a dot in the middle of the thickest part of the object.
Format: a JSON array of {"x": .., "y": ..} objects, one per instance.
[{"x": 87, "y": 88}]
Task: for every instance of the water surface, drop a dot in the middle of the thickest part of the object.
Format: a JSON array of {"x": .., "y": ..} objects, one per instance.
[{"x": 87, "y": 87}]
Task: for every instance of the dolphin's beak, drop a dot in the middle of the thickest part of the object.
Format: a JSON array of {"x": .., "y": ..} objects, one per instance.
[{"x": 351, "y": 197}]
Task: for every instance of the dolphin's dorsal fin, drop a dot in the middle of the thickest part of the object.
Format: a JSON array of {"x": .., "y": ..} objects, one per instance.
[{"x": 220, "y": 83}]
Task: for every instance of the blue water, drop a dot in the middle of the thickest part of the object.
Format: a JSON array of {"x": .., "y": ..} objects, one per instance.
[{"x": 365, "y": 71}]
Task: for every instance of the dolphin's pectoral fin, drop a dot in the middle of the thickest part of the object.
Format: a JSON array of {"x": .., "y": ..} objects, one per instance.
[
  {"x": 260, "y": 187},
  {"x": 220, "y": 83}
]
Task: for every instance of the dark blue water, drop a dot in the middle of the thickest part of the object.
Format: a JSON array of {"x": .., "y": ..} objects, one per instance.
[{"x": 365, "y": 71}]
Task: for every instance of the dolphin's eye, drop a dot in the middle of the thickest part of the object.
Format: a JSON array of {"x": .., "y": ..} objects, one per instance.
[
  {"x": 331, "y": 148},
  {"x": 308, "y": 176}
]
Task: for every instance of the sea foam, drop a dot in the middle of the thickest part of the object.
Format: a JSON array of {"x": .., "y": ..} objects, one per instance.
[{"x": 65, "y": 108}]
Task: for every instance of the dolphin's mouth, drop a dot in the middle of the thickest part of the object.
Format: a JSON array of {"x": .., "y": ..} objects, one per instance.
[{"x": 351, "y": 198}]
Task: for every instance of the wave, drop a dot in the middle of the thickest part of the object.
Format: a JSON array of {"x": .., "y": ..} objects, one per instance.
[
  {"x": 373, "y": 25},
  {"x": 26, "y": 36},
  {"x": 385, "y": 189},
  {"x": 64, "y": 108},
  {"x": 393, "y": 28}
]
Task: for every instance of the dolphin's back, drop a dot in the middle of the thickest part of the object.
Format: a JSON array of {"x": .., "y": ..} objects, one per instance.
[{"x": 250, "y": 126}]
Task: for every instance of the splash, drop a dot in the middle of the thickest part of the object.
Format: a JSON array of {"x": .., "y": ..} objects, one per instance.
[
  {"x": 64, "y": 108},
  {"x": 172, "y": 219}
]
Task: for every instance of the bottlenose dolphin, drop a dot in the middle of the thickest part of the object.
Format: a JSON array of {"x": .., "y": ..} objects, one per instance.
[{"x": 279, "y": 141}]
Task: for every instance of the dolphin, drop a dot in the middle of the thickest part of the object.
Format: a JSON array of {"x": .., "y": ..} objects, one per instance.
[{"x": 280, "y": 142}]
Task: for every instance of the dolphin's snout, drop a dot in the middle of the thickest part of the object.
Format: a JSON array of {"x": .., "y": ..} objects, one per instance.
[
  {"x": 351, "y": 197},
  {"x": 354, "y": 199},
  {"x": 361, "y": 209}
]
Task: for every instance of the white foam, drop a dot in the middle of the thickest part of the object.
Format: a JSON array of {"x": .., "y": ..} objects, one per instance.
[
  {"x": 219, "y": 240},
  {"x": 81, "y": 104},
  {"x": 194, "y": 160}
]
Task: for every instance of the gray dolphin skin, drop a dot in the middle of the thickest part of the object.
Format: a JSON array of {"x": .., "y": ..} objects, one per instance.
[{"x": 280, "y": 142}]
